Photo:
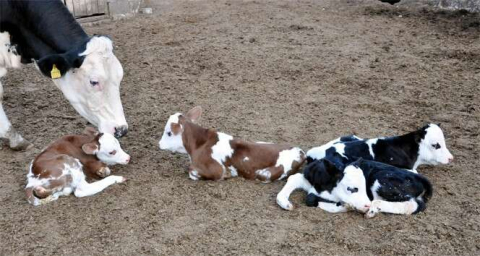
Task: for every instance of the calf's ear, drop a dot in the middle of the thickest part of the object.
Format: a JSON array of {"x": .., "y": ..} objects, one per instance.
[
  {"x": 90, "y": 131},
  {"x": 90, "y": 148},
  {"x": 57, "y": 65},
  {"x": 331, "y": 168},
  {"x": 194, "y": 114}
]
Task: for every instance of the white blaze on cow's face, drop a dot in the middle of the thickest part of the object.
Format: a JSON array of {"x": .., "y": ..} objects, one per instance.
[
  {"x": 93, "y": 89},
  {"x": 172, "y": 135},
  {"x": 352, "y": 189},
  {"x": 433, "y": 149},
  {"x": 110, "y": 151}
]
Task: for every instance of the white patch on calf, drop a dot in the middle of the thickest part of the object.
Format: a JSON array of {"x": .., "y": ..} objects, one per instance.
[
  {"x": 222, "y": 149},
  {"x": 370, "y": 144},
  {"x": 193, "y": 175},
  {"x": 286, "y": 159},
  {"x": 428, "y": 153},
  {"x": 340, "y": 148},
  {"x": 170, "y": 141},
  {"x": 376, "y": 185},
  {"x": 246, "y": 159},
  {"x": 233, "y": 171},
  {"x": 266, "y": 174}
]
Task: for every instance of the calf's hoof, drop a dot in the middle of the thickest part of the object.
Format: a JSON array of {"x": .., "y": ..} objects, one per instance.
[
  {"x": 118, "y": 179},
  {"x": 103, "y": 172},
  {"x": 373, "y": 210}
]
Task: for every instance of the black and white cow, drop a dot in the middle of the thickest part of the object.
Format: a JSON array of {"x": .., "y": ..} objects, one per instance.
[
  {"x": 84, "y": 68},
  {"x": 363, "y": 185},
  {"x": 424, "y": 146}
]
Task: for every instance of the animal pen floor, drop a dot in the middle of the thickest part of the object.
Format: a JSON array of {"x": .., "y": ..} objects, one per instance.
[{"x": 300, "y": 72}]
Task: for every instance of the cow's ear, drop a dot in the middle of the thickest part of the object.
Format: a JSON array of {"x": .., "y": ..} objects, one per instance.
[
  {"x": 194, "y": 114},
  {"x": 90, "y": 148},
  {"x": 57, "y": 65}
]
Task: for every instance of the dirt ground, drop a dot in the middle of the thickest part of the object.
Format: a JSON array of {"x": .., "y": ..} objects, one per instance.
[{"x": 299, "y": 72}]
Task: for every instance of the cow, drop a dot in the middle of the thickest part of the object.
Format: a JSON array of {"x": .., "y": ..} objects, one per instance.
[
  {"x": 364, "y": 185},
  {"x": 423, "y": 146},
  {"x": 62, "y": 168},
  {"x": 217, "y": 156},
  {"x": 84, "y": 68}
]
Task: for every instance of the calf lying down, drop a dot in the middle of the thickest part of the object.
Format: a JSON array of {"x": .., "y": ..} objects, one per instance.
[
  {"x": 424, "y": 146},
  {"x": 363, "y": 185},
  {"x": 216, "y": 156},
  {"x": 62, "y": 167}
]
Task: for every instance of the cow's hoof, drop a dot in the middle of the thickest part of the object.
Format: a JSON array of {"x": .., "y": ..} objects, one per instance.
[
  {"x": 103, "y": 172},
  {"x": 370, "y": 214},
  {"x": 21, "y": 145}
]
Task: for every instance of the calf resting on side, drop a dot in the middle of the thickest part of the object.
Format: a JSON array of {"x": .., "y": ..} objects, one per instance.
[
  {"x": 216, "y": 156},
  {"x": 363, "y": 185},
  {"x": 424, "y": 146},
  {"x": 60, "y": 169}
]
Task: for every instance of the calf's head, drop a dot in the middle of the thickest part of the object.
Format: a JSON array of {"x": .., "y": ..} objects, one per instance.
[
  {"x": 432, "y": 147},
  {"x": 172, "y": 138},
  {"x": 90, "y": 77},
  {"x": 352, "y": 189},
  {"x": 107, "y": 149},
  {"x": 347, "y": 184}
]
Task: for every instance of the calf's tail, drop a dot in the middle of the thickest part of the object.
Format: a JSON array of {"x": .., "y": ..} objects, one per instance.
[{"x": 422, "y": 200}]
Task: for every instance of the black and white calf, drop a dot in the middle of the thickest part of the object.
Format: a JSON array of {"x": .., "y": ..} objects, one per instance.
[
  {"x": 424, "y": 146},
  {"x": 363, "y": 185},
  {"x": 84, "y": 68}
]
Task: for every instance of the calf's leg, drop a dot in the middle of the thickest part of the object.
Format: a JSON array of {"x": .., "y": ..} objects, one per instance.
[
  {"x": 406, "y": 208},
  {"x": 332, "y": 208},
  {"x": 89, "y": 189},
  {"x": 294, "y": 182}
]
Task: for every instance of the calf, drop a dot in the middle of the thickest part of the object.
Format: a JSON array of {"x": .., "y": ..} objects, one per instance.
[
  {"x": 424, "y": 146},
  {"x": 61, "y": 168},
  {"x": 363, "y": 185},
  {"x": 216, "y": 156}
]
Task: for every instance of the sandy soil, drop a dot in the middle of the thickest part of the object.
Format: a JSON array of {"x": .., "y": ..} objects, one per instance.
[{"x": 299, "y": 72}]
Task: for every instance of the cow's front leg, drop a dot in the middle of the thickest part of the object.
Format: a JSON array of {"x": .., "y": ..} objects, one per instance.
[{"x": 16, "y": 141}]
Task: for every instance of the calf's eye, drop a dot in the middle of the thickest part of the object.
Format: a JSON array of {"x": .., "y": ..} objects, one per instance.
[
  {"x": 436, "y": 146},
  {"x": 113, "y": 152},
  {"x": 94, "y": 83},
  {"x": 169, "y": 134},
  {"x": 352, "y": 190}
]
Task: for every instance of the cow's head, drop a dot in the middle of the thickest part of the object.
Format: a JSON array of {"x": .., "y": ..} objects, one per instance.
[
  {"x": 432, "y": 147},
  {"x": 172, "y": 138},
  {"x": 107, "y": 149},
  {"x": 90, "y": 77}
]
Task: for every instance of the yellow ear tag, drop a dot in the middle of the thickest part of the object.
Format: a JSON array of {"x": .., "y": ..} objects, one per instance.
[{"x": 55, "y": 73}]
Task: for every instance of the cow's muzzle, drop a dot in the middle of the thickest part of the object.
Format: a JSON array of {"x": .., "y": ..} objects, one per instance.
[{"x": 121, "y": 131}]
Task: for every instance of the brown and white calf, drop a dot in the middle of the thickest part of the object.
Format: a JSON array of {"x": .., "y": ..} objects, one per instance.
[
  {"x": 216, "y": 156},
  {"x": 62, "y": 167}
]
